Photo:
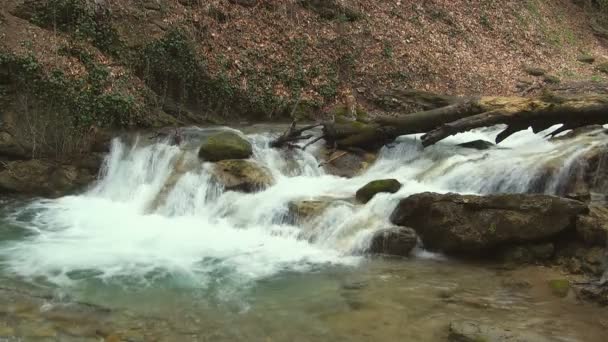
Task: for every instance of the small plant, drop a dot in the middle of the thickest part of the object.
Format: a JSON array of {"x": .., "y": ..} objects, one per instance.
[
  {"x": 485, "y": 21},
  {"x": 387, "y": 50},
  {"x": 76, "y": 17}
]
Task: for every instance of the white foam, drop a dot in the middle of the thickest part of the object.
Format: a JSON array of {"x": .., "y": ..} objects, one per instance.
[{"x": 123, "y": 228}]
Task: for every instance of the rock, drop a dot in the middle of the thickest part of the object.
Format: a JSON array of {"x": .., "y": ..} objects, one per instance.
[
  {"x": 593, "y": 292},
  {"x": 225, "y": 145},
  {"x": 242, "y": 175},
  {"x": 9, "y": 147},
  {"x": 43, "y": 178},
  {"x": 534, "y": 71},
  {"x": 559, "y": 287},
  {"x": 301, "y": 211},
  {"x": 101, "y": 142},
  {"x": 586, "y": 59},
  {"x": 527, "y": 254},
  {"x": 398, "y": 241},
  {"x": 470, "y": 224},
  {"x": 593, "y": 227},
  {"x": 367, "y": 192},
  {"x": 469, "y": 331},
  {"x": 603, "y": 67},
  {"x": 348, "y": 165},
  {"x": 477, "y": 144}
]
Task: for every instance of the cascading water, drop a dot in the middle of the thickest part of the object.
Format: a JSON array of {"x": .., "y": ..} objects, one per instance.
[
  {"x": 156, "y": 234},
  {"x": 155, "y": 211}
]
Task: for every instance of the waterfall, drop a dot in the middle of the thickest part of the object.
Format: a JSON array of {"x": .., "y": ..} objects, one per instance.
[{"x": 156, "y": 212}]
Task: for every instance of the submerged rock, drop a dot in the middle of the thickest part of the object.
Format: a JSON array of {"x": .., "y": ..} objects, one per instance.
[
  {"x": 348, "y": 164},
  {"x": 301, "y": 211},
  {"x": 593, "y": 227},
  {"x": 470, "y": 224},
  {"x": 43, "y": 178},
  {"x": 223, "y": 146},
  {"x": 242, "y": 175},
  {"x": 366, "y": 193},
  {"x": 398, "y": 241},
  {"x": 470, "y": 331},
  {"x": 477, "y": 144},
  {"x": 529, "y": 253},
  {"x": 560, "y": 287}
]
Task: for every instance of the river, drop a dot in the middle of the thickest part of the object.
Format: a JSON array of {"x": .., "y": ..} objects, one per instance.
[{"x": 155, "y": 250}]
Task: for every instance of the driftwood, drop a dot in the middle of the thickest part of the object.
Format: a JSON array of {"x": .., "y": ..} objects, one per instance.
[{"x": 517, "y": 113}]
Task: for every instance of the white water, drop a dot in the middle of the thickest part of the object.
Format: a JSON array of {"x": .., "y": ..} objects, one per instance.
[{"x": 200, "y": 235}]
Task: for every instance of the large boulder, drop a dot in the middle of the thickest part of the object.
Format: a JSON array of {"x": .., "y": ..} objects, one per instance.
[
  {"x": 593, "y": 227},
  {"x": 242, "y": 175},
  {"x": 223, "y": 146},
  {"x": 468, "y": 224},
  {"x": 42, "y": 178},
  {"x": 367, "y": 192},
  {"x": 398, "y": 241},
  {"x": 470, "y": 331}
]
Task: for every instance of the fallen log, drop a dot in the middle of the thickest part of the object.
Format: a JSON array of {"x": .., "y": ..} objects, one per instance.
[{"x": 517, "y": 113}]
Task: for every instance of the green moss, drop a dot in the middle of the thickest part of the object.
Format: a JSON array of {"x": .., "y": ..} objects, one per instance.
[
  {"x": 341, "y": 114},
  {"x": 76, "y": 17},
  {"x": 534, "y": 71},
  {"x": 603, "y": 67},
  {"x": 82, "y": 100},
  {"x": 366, "y": 193},
  {"x": 559, "y": 287},
  {"x": 225, "y": 145},
  {"x": 586, "y": 58},
  {"x": 551, "y": 79}
]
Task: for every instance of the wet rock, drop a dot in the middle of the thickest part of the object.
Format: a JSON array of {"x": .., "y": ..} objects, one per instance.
[
  {"x": 398, "y": 241},
  {"x": 559, "y": 287},
  {"x": 101, "y": 141},
  {"x": 593, "y": 227},
  {"x": 471, "y": 224},
  {"x": 9, "y": 147},
  {"x": 302, "y": 211},
  {"x": 367, "y": 192},
  {"x": 594, "y": 292},
  {"x": 470, "y": 331},
  {"x": 348, "y": 164},
  {"x": 527, "y": 254},
  {"x": 43, "y": 178},
  {"x": 578, "y": 258},
  {"x": 223, "y": 146},
  {"x": 242, "y": 175},
  {"x": 477, "y": 144}
]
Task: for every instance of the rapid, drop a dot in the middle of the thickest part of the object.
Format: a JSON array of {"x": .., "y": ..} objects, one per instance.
[{"x": 155, "y": 230}]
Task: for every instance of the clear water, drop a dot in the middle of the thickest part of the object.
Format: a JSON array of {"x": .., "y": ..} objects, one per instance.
[{"x": 156, "y": 241}]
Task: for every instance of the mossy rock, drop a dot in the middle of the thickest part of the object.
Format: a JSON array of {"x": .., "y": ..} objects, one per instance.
[
  {"x": 586, "y": 59},
  {"x": 225, "y": 145},
  {"x": 560, "y": 287},
  {"x": 366, "y": 193},
  {"x": 551, "y": 79},
  {"x": 534, "y": 71},
  {"x": 603, "y": 67},
  {"x": 341, "y": 114}
]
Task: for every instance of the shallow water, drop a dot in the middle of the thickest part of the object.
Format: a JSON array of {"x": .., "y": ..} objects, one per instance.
[{"x": 176, "y": 258}]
